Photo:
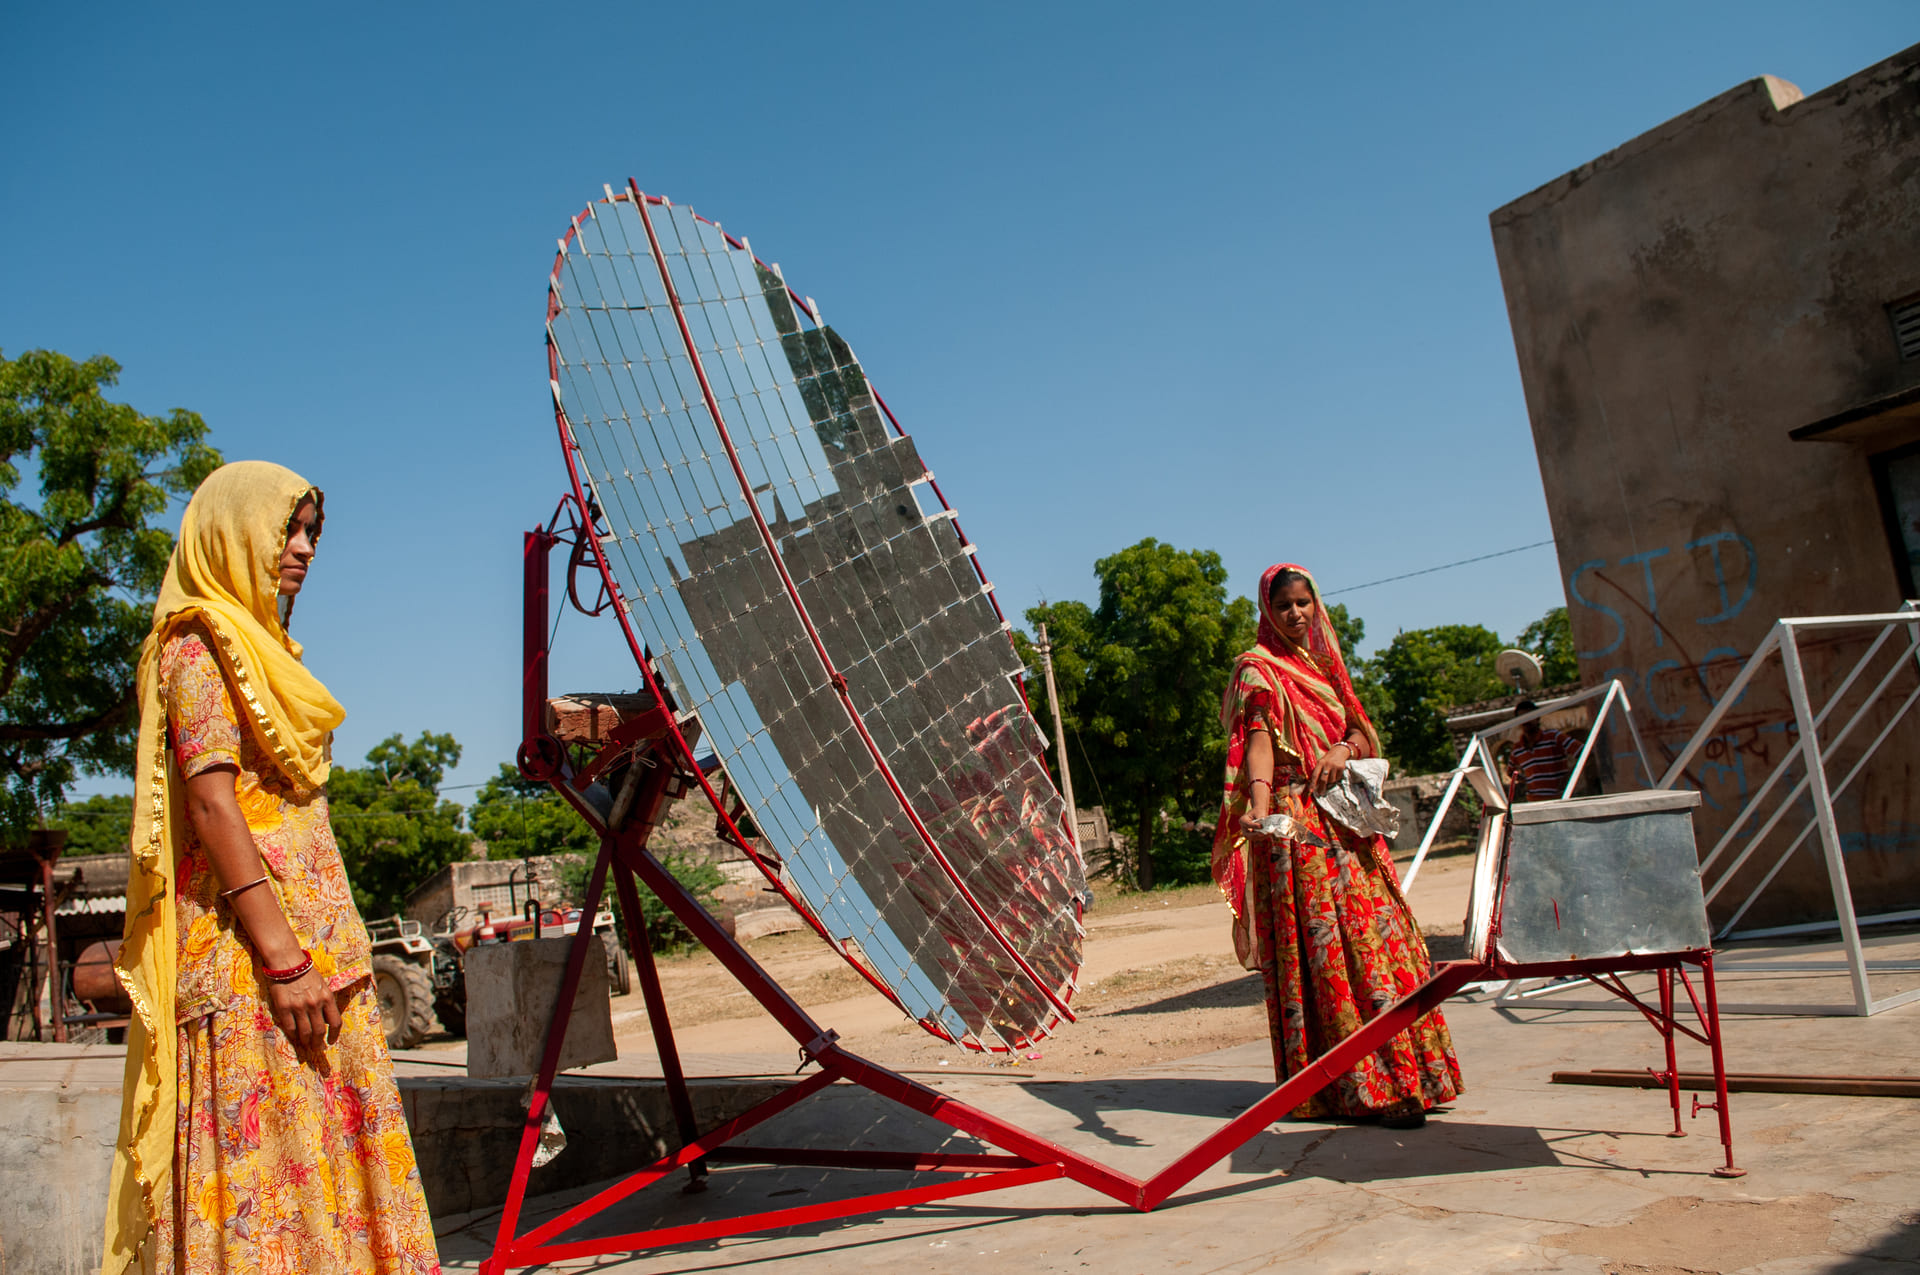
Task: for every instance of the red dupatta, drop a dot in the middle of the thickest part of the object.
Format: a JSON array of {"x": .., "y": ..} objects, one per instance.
[{"x": 1305, "y": 695}]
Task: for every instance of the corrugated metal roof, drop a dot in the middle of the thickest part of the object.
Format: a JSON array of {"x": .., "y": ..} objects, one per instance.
[{"x": 100, "y": 906}]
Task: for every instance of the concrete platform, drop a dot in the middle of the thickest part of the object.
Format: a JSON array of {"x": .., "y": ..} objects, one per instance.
[
  {"x": 1520, "y": 1176},
  {"x": 60, "y": 1115}
]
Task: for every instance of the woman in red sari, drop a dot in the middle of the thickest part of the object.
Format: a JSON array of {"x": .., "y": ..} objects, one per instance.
[{"x": 1328, "y": 929}]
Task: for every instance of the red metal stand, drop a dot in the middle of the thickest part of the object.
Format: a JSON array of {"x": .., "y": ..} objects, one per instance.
[{"x": 647, "y": 760}]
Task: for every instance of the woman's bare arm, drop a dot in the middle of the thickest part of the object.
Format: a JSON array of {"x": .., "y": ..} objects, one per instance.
[
  {"x": 304, "y": 1009},
  {"x": 1260, "y": 776}
]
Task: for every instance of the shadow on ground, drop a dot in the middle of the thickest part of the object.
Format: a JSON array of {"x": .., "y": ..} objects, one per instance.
[
  {"x": 1090, "y": 1102},
  {"x": 1367, "y": 1153},
  {"x": 1237, "y": 994},
  {"x": 1897, "y": 1250}
]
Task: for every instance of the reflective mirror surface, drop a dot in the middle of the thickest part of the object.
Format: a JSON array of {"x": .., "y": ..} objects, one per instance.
[{"x": 768, "y": 530}]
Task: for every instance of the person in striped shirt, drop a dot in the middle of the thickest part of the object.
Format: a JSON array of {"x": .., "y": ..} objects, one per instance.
[{"x": 1541, "y": 760}]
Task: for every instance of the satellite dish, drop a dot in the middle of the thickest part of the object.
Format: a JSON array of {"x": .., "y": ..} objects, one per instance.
[{"x": 1518, "y": 669}]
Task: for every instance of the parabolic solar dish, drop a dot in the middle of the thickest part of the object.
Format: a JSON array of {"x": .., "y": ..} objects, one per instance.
[{"x": 801, "y": 587}]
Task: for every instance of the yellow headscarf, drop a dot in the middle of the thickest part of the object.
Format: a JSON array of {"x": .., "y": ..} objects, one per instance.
[{"x": 225, "y": 572}]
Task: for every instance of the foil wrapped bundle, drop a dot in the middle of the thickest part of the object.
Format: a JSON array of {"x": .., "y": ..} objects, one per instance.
[{"x": 1359, "y": 802}]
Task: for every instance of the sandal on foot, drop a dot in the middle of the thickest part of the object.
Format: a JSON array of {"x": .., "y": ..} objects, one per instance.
[{"x": 1407, "y": 1115}]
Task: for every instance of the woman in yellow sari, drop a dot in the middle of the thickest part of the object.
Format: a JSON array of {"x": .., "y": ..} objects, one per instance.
[
  {"x": 1319, "y": 914},
  {"x": 260, "y": 1129}
]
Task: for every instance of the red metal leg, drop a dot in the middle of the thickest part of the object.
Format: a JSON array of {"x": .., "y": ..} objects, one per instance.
[
  {"x": 1672, "y": 1074},
  {"x": 980, "y": 1124},
  {"x": 620, "y": 1190},
  {"x": 550, "y": 1058},
  {"x": 1729, "y": 1169},
  {"x": 662, "y": 1027},
  {"x": 781, "y": 1218},
  {"x": 1037, "y": 1159}
]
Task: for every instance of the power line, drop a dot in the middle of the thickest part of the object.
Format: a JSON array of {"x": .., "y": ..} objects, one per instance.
[{"x": 1445, "y": 566}]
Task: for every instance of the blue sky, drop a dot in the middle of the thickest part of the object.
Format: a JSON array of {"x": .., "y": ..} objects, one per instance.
[{"x": 1216, "y": 274}]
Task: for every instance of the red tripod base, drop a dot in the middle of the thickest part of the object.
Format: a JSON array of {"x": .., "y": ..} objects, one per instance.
[
  {"x": 1023, "y": 1157},
  {"x": 1027, "y": 1158},
  {"x": 655, "y": 763}
]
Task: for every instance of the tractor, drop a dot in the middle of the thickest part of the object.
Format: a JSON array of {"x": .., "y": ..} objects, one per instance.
[{"x": 411, "y": 972}]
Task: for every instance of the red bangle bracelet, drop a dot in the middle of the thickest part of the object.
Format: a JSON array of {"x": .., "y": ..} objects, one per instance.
[{"x": 294, "y": 973}]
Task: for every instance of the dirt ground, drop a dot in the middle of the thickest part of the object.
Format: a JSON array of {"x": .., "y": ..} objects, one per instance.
[{"x": 1159, "y": 981}]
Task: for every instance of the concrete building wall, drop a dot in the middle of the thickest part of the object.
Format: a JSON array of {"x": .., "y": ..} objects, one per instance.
[{"x": 1680, "y": 306}]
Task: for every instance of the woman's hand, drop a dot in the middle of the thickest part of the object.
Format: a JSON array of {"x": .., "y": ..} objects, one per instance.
[
  {"x": 305, "y": 1010},
  {"x": 1332, "y": 764}
]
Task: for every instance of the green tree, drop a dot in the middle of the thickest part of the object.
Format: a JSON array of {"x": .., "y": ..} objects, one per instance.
[
  {"x": 1140, "y": 679},
  {"x": 80, "y": 565},
  {"x": 1551, "y": 639},
  {"x": 1426, "y": 672},
  {"x": 1070, "y": 630},
  {"x": 519, "y": 818},
  {"x": 665, "y": 933},
  {"x": 1372, "y": 692},
  {"x": 98, "y": 825},
  {"x": 393, "y": 828}
]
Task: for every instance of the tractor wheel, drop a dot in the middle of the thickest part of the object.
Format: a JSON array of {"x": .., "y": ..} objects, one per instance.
[
  {"x": 406, "y": 1000},
  {"x": 450, "y": 1005},
  {"x": 619, "y": 966}
]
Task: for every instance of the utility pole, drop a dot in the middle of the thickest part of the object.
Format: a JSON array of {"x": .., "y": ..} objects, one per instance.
[{"x": 1060, "y": 742}]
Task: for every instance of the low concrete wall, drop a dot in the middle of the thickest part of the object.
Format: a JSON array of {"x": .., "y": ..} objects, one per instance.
[
  {"x": 467, "y": 1132},
  {"x": 60, "y": 1118}
]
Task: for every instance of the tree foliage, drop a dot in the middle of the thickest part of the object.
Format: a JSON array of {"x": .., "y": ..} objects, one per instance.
[
  {"x": 1372, "y": 692},
  {"x": 394, "y": 829},
  {"x": 1551, "y": 639},
  {"x": 519, "y": 818},
  {"x": 98, "y": 825},
  {"x": 1425, "y": 672},
  {"x": 1140, "y": 678},
  {"x": 80, "y": 565}
]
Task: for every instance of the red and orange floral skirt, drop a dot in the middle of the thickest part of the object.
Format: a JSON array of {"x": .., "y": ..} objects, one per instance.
[{"x": 1336, "y": 945}]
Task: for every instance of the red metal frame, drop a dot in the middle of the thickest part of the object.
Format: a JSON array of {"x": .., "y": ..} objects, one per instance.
[{"x": 668, "y": 770}]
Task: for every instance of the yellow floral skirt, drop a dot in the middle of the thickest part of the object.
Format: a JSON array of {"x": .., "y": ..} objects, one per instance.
[{"x": 288, "y": 1161}]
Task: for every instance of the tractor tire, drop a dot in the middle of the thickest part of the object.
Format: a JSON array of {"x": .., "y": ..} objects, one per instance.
[
  {"x": 619, "y": 967},
  {"x": 406, "y": 1000},
  {"x": 450, "y": 1005}
]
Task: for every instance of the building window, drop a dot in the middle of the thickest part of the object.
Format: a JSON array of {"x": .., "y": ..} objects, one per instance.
[
  {"x": 1897, "y": 475},
  {"x": 1906, "y": 327}
]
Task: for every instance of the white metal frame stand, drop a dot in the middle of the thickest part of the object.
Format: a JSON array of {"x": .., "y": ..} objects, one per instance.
[
  {"x": 1812, "y": 754},
  {"x": 1478, "y": 756}
]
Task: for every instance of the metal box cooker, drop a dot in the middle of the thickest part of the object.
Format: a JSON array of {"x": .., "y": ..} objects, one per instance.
[{"x": 1592, "y": 877}]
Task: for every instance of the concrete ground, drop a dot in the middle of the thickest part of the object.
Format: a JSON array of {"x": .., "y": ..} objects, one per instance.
[{"x": 1521, "y": 1175}]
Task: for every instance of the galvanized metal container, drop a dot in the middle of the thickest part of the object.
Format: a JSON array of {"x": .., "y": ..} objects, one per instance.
[{"x": 1602, "y": 876}]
